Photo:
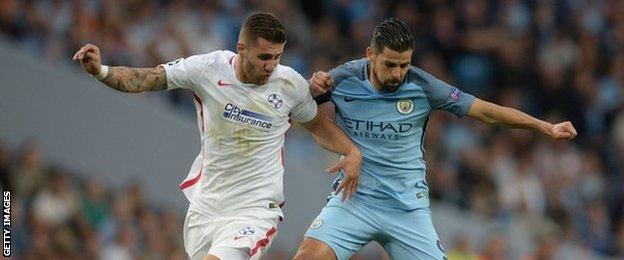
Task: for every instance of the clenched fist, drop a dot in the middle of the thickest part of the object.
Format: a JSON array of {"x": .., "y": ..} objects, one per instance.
[
  {"x": 320, "y": 82},
  {"x": 89, "y": 57},
  {"x": 563, "y": 130}
]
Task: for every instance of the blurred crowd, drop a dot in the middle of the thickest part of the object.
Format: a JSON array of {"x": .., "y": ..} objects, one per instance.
[
  {"x": 56, "y": 215},
  {"x": 559, "y": 60}
]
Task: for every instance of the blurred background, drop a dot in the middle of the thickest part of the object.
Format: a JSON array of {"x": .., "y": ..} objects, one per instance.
[{"x": 94, "y": 172}]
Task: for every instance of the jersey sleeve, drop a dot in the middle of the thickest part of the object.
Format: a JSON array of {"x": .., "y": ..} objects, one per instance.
[
  {"x": 304, "y": 109},
  {"x": 339, "y": 74},
  {"x": 183, "y": 72},
  {"x": 443, "y": 96}
]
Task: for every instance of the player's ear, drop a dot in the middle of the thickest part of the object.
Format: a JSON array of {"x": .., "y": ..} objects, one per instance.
[
  {"x": 370, "y": 53},
  {"x": 240, "y": 47}
]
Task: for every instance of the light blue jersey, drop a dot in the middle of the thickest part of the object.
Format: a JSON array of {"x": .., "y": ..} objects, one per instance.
[
  {"x": 389, "y": 128},
  {"x": 391, "y": 202}
]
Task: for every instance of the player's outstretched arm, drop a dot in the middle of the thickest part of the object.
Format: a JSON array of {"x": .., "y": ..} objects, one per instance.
[
  {"x": 513, "y": 118},
  {"x": 120, "y": 78},
  {"x": 330, "y": 137}
]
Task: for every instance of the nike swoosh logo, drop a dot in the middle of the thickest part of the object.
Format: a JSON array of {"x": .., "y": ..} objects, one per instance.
[
  {"x": 238, "y": 237},
  {"x": 223, "y": 84},
  {"x": 348, "y": 99}
]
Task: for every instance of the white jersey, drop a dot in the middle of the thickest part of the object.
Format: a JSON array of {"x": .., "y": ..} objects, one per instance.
[{"x": 242, "y": 129}]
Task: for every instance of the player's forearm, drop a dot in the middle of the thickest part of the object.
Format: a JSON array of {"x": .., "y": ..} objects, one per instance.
[
  {"x": 512, "y": 118},
  {"x": 136, "y": 79},
  {"x": 329, "y": 136},
  {"x": 508, "y": 117}
]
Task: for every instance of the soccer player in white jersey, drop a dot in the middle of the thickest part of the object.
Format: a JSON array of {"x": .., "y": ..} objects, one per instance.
[{"x": 244, "y": 102}]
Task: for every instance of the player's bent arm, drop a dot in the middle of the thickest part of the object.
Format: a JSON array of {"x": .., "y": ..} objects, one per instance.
[
  {"x": 512, "y": 118},
  {"x": 328, "y": 110},
  {"x": 136, "y": 80},
  {"x": 330, "y": 136}
]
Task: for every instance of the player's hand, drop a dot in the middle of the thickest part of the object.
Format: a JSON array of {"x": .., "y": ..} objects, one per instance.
[
  {"x": 89, "y": 58},
  {"x": 561, "y": 131},
  {"x": 320, "y": 82},
  {"x": 350, "y": 164}
]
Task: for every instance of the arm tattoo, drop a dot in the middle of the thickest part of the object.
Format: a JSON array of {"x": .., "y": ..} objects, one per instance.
[{"x": 136, "y": 79}]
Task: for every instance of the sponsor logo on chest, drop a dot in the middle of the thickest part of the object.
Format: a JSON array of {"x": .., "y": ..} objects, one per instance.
[{"x": 238, "y": 115}]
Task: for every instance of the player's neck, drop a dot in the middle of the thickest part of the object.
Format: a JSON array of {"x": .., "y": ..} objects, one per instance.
[
  {"x": 238, "y": 70},
  {"x": 373, "y": 80}
]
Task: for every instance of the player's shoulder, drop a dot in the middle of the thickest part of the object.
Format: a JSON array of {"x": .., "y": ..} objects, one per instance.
[
  {"x": 290, "y": 77},
  {"x": 419, "y": 77},
  {"x": 357, "y": 64},
  {"x": 353, "y": 68},
  {"x": 211, "y": 59}
]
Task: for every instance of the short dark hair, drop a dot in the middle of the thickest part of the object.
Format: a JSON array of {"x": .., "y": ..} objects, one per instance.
[
  {"x": 262, "y": 25},
  {"x": 394, "y": 34}
]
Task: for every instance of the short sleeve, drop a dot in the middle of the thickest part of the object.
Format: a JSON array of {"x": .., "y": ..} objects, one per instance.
[
  {"x": 305, "y": 108},
  {"x": 340, "y": 73},
  {"x": 445, "y": 97},
  {"x": 182, "y": 73}
]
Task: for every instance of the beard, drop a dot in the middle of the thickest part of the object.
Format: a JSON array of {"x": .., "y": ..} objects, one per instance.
[
  {"x": 389, "y": 85},
  {"x": 253, "y": 75}
]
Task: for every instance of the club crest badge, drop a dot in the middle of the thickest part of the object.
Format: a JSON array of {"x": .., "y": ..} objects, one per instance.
[
  {"x": 247, "y": 231},
  {"x": 405, "y": 106},
  {"x": 275, "y": 100}
]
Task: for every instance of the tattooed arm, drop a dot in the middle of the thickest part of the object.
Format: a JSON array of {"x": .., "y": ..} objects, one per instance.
[
  {"x": 136, "y": 79},
  {"x": 121, "y": 78}
]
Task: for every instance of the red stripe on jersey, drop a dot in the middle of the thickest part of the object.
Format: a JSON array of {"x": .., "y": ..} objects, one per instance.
[
  {"x": 195, "y": 179},
  {"x": 263, "y": 242},
  {"x": 201, "y": 110},
  {"x": 282, "y": 155},
  {"x": 191, "y": 182}
]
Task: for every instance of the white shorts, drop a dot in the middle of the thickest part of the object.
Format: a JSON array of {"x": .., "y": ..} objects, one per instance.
[{"x": 245, "y": 236}]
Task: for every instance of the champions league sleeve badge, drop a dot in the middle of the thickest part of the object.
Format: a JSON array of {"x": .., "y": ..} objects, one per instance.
[
  {"x": 405, "y": 106},
  {"x": 455, "y": 94}
]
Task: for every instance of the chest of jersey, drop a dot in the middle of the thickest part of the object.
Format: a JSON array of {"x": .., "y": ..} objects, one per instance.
[
  {"x": 373, "y": 117},
  {"x": 251, "y": 111}
]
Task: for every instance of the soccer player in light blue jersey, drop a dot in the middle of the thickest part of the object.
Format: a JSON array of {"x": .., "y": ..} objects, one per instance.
[{"x": 383, "y": 104}]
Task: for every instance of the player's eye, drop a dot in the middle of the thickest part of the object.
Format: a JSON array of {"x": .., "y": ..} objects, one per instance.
[
  {"x": 404, "y": 65},
  {"x": 264, "y": 57},
  {"x": 390, "y": 65}
]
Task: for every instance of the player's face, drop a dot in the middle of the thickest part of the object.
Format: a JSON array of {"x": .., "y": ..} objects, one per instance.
[
  {"x": 260, "y": 59},
  {"x": 388, "y": 67}
]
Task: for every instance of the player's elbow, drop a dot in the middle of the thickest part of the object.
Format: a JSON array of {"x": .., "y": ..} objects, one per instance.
[
  {"x": 129, "y": 88},
  {"x": 488, "y": 119}
]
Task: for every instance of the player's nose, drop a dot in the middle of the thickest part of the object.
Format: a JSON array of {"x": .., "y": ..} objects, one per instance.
[
  {"x": 270, "y": 66},
  {"x": 396, "y": 74}
]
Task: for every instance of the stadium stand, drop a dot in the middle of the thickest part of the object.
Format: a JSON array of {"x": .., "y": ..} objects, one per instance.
[{"x": 498, "y": 194}]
